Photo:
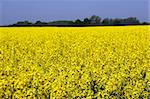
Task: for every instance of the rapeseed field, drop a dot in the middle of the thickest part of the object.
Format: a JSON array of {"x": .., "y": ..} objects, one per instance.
[{"x": 75, "y": 62}]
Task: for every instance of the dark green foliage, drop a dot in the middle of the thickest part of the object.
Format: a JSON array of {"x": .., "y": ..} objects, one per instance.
[{"x": 91, "y": 21}]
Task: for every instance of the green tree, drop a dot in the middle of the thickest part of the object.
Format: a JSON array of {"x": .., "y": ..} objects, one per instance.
[
  {"x": 23, "y": 23},
  {"x": 106, "y": 21},
  {"x": 95, "y": 19},
  {"x": 78, "y": 21},
  {"x": 86, "y": 21}
]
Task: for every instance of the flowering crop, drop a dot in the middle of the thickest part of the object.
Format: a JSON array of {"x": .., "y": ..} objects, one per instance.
[{"x": 86, "y": 62}]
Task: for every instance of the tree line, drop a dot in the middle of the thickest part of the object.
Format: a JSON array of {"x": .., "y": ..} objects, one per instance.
[{"x": 91, "y": 21}]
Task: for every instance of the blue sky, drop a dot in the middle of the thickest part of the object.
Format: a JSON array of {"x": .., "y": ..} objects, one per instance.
[{"x": 12, "y": 11}]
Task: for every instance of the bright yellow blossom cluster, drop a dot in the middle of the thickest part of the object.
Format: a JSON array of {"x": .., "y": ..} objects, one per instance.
[{"x": 85, "y": 62}]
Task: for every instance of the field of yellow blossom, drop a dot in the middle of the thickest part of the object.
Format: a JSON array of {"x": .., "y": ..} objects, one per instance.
[{"x": 75, "y": 62}]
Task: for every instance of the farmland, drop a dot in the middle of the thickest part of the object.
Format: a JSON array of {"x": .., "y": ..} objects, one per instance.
[{"x": 75, "y": 62}]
